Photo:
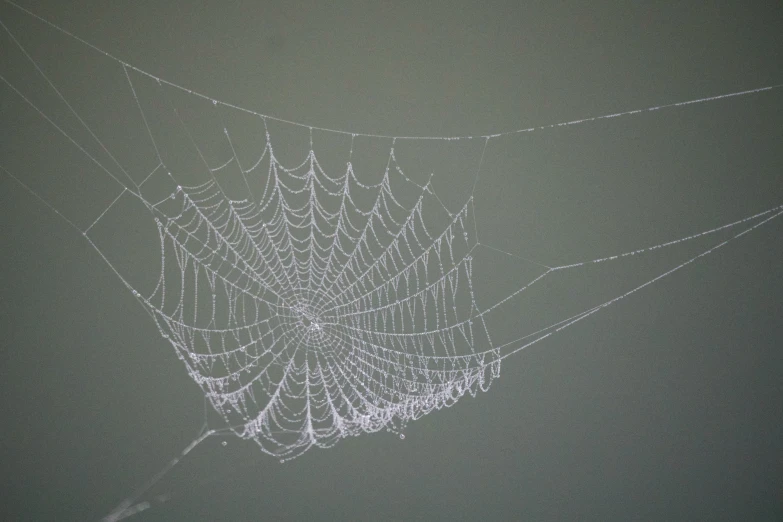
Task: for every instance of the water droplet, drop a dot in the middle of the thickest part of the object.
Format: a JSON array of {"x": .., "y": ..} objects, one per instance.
[
  {"x": 224, "y": 443},
  {"x": 402, "y": 436}
]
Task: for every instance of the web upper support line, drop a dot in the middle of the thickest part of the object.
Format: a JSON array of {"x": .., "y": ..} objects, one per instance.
[{"x": 215, "y": 101}]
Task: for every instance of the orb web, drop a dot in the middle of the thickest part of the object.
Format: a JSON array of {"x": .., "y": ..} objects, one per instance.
[{"x": 305, "y": 323}]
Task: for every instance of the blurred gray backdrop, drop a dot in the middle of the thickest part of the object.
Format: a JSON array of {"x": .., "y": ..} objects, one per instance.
[{"x": 665, "y": 406}]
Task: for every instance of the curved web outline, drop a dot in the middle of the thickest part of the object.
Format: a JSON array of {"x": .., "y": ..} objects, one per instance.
[{"x": 323, "y": 324}]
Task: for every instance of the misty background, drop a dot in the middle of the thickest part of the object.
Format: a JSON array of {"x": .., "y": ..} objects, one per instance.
[{"x": 665, "y": 406}]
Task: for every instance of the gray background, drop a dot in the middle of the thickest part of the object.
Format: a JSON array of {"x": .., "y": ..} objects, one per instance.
[{"x": 666, "y": 406}]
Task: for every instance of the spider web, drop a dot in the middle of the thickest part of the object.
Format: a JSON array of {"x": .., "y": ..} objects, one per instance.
[
  {"x": 325, "y": 303},
  {"x": 323, "y": 319}
]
